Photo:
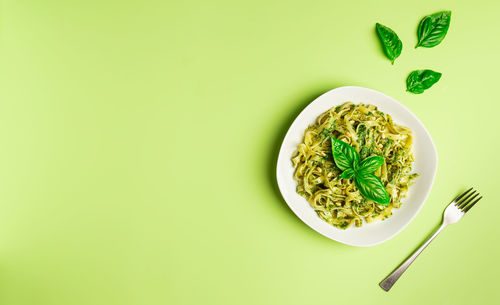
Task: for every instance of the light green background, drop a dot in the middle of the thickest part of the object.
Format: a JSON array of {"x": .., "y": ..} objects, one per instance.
[{"x": 138, "y": 142}]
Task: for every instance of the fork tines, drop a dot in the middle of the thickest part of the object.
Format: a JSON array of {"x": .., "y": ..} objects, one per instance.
[{"x": 466, "y": 201}]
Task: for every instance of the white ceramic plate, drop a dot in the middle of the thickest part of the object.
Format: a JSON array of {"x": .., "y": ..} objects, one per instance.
[{"x": 425, "y": 165}]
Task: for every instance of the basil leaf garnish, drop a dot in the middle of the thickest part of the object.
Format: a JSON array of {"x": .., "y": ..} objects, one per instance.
[
  {"x": 420, "y": 80},
  {"x": 347, "y": 159},
  {"x": 370, "y": 164},
  {"x": 347, "y": 174},
  {"x": 344, "y": 155},
  {"x": 432, "y": 29},
  {"x": 391, "y": 43},
  {"x": 372, "y": 188}
]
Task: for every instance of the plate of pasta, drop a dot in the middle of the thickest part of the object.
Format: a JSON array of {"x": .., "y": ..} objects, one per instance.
[{"x": 383, "y": 137}]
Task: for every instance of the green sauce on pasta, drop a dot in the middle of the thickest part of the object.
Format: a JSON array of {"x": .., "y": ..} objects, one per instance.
[{"x": 370, "y": 132}]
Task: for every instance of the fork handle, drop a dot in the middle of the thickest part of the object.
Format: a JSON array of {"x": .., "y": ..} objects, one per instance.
[{"x": 387, "y": 283}]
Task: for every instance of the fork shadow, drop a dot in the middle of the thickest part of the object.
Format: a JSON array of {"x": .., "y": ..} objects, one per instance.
[{"x": 270, "y": 167}]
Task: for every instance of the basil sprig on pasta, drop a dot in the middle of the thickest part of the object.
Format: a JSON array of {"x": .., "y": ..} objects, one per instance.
[{"x": 370, "y": 186}]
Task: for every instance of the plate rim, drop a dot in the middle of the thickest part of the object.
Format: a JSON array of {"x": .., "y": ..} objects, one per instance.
[{"x": 427, "y": 192}]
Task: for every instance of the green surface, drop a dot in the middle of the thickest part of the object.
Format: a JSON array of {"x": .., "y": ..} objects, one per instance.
[{"x": 139, "y": 139}]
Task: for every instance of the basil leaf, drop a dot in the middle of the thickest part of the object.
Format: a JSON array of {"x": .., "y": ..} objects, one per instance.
[
  {"x": 391, "y": 43},
  {"x": 372, "y": 188},
  {"x": 420, "y": 80},
  {"x": 371, "y": 164},
  {"x": 347, "y": 174},
  {"x": 432, "y": 29},
  {"x": 344, "y": 155}
]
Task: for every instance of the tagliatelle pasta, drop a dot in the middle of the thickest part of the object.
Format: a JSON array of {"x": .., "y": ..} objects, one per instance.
[{"x": 370, "y": 132}]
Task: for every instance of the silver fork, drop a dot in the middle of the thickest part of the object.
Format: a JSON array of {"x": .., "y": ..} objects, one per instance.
[{"x": 453, "y": 213}]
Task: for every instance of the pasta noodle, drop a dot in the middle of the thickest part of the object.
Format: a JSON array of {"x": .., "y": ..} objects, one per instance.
[{"x": 370, "y": 132}]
